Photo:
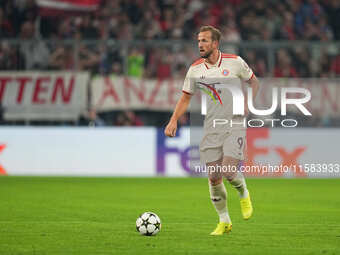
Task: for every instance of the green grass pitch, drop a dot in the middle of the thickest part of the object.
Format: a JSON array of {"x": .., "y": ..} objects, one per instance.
[{"x": 97, "y": 216}]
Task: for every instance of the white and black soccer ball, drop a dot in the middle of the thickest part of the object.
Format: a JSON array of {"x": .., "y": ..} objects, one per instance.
[{"x": 148, "y": 224}]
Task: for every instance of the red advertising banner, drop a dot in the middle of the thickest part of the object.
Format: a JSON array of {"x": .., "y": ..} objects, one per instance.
[
  {"x": 112, "y": 93},
  {"x": 43, "y": 95},
  {"x": 59, "y": 7}
]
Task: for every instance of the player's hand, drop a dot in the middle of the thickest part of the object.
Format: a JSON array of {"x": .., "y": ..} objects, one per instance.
[{"x": 171, "y": 129}]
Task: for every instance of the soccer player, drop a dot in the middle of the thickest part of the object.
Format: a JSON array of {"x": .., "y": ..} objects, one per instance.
[{"x": 221, "y": 147}]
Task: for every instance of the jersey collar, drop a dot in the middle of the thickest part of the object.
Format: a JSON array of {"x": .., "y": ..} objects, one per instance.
[{"x": 217, "y": 64}]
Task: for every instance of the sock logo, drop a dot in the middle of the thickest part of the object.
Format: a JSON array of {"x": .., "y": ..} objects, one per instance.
[{"x": 215, "y": 199}]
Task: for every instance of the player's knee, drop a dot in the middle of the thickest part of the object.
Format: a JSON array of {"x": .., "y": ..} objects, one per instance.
[
  {"x": 230, "y": 175},
  {"x": 215, "y": 181}
]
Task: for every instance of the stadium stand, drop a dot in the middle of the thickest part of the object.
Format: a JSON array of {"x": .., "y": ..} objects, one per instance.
[{"x": 155, "y": 39}]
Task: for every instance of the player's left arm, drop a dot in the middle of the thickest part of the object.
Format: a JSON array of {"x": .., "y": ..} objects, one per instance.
[
  {"x": 247, "y": 75},
  {"x": 254, "y": 84}
]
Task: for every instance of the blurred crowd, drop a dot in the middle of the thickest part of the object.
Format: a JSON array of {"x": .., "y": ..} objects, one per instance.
[
  {"x": 177, "y": 19},
  {"x": 155, "y": 39},
  {"x": 133, "y": 20}
]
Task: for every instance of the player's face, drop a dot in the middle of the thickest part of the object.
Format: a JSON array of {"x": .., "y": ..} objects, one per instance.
[{"x": 205, "y": 44}]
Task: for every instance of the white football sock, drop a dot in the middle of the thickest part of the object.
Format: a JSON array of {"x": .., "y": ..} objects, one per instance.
[
  {"x": 239, "y": 183},
  {"x": 218, "y": 195}
]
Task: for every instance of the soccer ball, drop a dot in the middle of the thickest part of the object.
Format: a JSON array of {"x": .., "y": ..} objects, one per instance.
[{"x": 148, "y": 224}]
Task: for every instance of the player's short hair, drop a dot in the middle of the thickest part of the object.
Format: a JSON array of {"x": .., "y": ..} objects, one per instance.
[{"x": 215, "y": 33}]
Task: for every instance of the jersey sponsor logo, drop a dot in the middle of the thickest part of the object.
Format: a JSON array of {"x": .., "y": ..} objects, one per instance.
[{"x": 214, "y": 95}]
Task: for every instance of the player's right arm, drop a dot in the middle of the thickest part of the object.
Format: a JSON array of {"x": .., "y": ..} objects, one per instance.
[
  {"x": 180, "y": 109},
  {"x": 182, "y": 104}
]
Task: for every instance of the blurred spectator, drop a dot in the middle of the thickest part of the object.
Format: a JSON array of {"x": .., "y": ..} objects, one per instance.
[
  {"x": 128, "y": 118},
  {"x": 325, "y": 30},
  {"x": 161, "y": 62},
  {"x": 230, "y": 34},
  {"x": 335, "y": 67},
  {"x": 87, "y": 28},
  {"x": 135, "y": 63},
  {"x": 332, "y": 8},
  {"x": 256, "y": 63},
  {"x": 147, "y": 28},
  {"x": 273, "y": 22},
  {"x": 6, "y": 29},
  {"x": 284, "y": 66},
  {"x": 134, "y": 10},
  {"x": 104, "y": 61},
  {"x": 65, "y": 29},
  {"x": 117, "y": 68},
  {"x": 91, "y": 119},
  {"x": 28, "y": 10},
  {"x": 287, "y": 30},
  {"x": 311, "y": 31},
  {"x": 88, "y": 59},
  {"x": 180, "y": 71},
  {"x": 123, "y": 29},
  {"x": 62, "y": 58},
  {"x": 311, "y": 9},
  {"x": 10, "y": 57},
  {"x": 301, "y": 62},
  {"x": 167, "y": 20},
  {"x": 324, "y": 68},
  {"x": 34, "y": 50}
]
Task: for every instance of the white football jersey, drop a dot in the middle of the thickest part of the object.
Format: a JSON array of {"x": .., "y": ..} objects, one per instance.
[{"x": 229, "y": 70}]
